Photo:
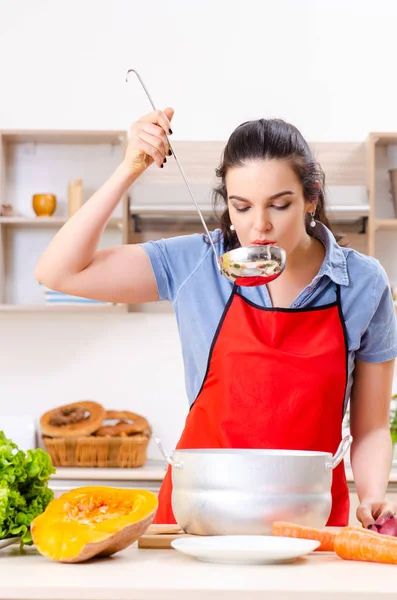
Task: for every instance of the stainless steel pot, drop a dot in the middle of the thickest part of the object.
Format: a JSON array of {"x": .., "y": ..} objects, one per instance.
[{"x": 237, "y": 491}]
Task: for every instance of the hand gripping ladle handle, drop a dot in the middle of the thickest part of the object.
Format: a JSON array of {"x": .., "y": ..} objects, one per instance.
[{"x": 180, "y": 168}]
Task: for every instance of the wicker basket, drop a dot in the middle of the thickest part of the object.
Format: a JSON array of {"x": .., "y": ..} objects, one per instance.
[{"x": 91, "y": 451}]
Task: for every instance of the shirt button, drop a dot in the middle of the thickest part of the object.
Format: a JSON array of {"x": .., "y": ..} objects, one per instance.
[{"x": 294, "y": 304}]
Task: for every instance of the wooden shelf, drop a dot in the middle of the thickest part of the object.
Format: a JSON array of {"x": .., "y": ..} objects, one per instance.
[
  {"x": 385, "y": 223},
  {"x": 384, "y": 138},
  {"x": 32, "y": 221},
  {"x": 63, "y": 137},
  {"x": 30, "y": 159},
  {"x": 67, "y": 308},
  {"x": 379, "y": 159},
  {"x": 47, "y": 221}
]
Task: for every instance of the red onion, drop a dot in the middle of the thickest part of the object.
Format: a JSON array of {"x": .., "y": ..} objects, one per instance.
[{"x": 385, "y": 525}]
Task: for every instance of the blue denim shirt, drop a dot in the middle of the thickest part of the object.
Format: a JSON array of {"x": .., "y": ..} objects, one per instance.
[{"x": 187, "y": 275}]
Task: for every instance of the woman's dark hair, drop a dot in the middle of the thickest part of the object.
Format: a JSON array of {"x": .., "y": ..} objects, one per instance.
[{"x": 270, "y": 139}]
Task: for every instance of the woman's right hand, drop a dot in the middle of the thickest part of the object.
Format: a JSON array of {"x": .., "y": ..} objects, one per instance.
[{"x": 148, "y": 141}]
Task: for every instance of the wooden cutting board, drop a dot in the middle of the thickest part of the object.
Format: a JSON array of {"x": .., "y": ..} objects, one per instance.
[{"x": 161, "y": 536}]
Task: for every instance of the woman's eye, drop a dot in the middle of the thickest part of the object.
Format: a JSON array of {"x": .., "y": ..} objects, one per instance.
[
  {"x": 241, "y": 210},
  {"x": 281, "y": 206}
]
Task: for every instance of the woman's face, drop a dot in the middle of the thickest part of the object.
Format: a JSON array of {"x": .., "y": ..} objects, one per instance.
[{"x": 266, "y": 204}]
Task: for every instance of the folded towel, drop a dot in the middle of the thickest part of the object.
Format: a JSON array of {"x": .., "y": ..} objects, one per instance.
[{"x": 59, "y": 298}]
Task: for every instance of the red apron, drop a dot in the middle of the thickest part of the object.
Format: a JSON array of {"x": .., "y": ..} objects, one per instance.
[{"x": 276, "y": 379}]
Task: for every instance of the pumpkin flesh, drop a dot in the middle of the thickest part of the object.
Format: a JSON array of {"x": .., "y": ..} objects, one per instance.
[{"x": 92, "y": 521}]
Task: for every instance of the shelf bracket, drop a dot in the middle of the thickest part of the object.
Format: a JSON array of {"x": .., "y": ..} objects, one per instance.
[
  {"x": 364, "y": 225},
  {"x": 137, "y": 227}
]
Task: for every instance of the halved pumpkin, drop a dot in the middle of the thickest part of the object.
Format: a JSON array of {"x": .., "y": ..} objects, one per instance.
[{"x": 92, "y": 521}]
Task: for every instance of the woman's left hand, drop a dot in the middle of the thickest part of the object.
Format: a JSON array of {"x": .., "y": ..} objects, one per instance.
[{"x": 370, "y": 512}]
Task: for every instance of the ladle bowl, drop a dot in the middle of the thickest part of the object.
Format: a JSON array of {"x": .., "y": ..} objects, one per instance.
[
  {"x": 246, "y": 266},
  {"x": 253, "y": 265}
]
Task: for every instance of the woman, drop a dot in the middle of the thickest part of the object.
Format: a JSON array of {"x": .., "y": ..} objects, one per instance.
[{"x": 266, "y": 367}]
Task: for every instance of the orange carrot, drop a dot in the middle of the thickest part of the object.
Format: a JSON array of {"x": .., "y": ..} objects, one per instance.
[
  {"x": 353, "y": 543},
  {"x": 326, "y": 536}
]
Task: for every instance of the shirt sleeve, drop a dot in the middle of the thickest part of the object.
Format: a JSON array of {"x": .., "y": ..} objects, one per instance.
[
  {"x": 379, "y": 340},
  {"x": 174, "y": 260}
]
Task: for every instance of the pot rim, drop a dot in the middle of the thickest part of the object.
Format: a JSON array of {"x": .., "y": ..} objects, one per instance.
[
  {"x": 252, "y": 451},
  {"x": 331, "y": 461}
]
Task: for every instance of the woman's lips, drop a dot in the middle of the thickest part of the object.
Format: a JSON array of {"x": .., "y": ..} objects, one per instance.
[{"x": 263, "y": 243}]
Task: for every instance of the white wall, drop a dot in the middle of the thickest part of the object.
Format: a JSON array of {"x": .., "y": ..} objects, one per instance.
[
  {"x": 129, "y": 362},
  {"x": 326, "y": 65}
]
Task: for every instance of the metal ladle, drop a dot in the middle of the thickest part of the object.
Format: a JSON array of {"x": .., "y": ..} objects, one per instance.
[{"x": 245, "y": 266}]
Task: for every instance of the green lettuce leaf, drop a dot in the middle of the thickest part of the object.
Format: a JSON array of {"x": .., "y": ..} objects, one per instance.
[{"x": 24, "y": 491}]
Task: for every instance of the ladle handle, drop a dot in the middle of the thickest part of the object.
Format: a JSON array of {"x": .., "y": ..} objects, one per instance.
[{"x": 179, "y": 166}]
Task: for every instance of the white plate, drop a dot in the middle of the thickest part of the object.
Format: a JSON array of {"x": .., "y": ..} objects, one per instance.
[
  {"x": 244, "y": 549},
  {"x": 9, "y": 541}
]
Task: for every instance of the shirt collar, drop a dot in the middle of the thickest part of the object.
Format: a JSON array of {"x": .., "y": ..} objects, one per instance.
[{"x": 334, "y": 264}]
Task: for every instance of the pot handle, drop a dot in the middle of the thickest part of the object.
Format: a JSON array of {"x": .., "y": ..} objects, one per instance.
[
  {"x": 340, "y": 453},
  {"x": 173, "y": 463}
]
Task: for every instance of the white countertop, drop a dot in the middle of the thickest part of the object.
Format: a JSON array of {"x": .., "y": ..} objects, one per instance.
[
  {"x": 152, "y": 470},
  {"x": 140, "y": 574}
]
